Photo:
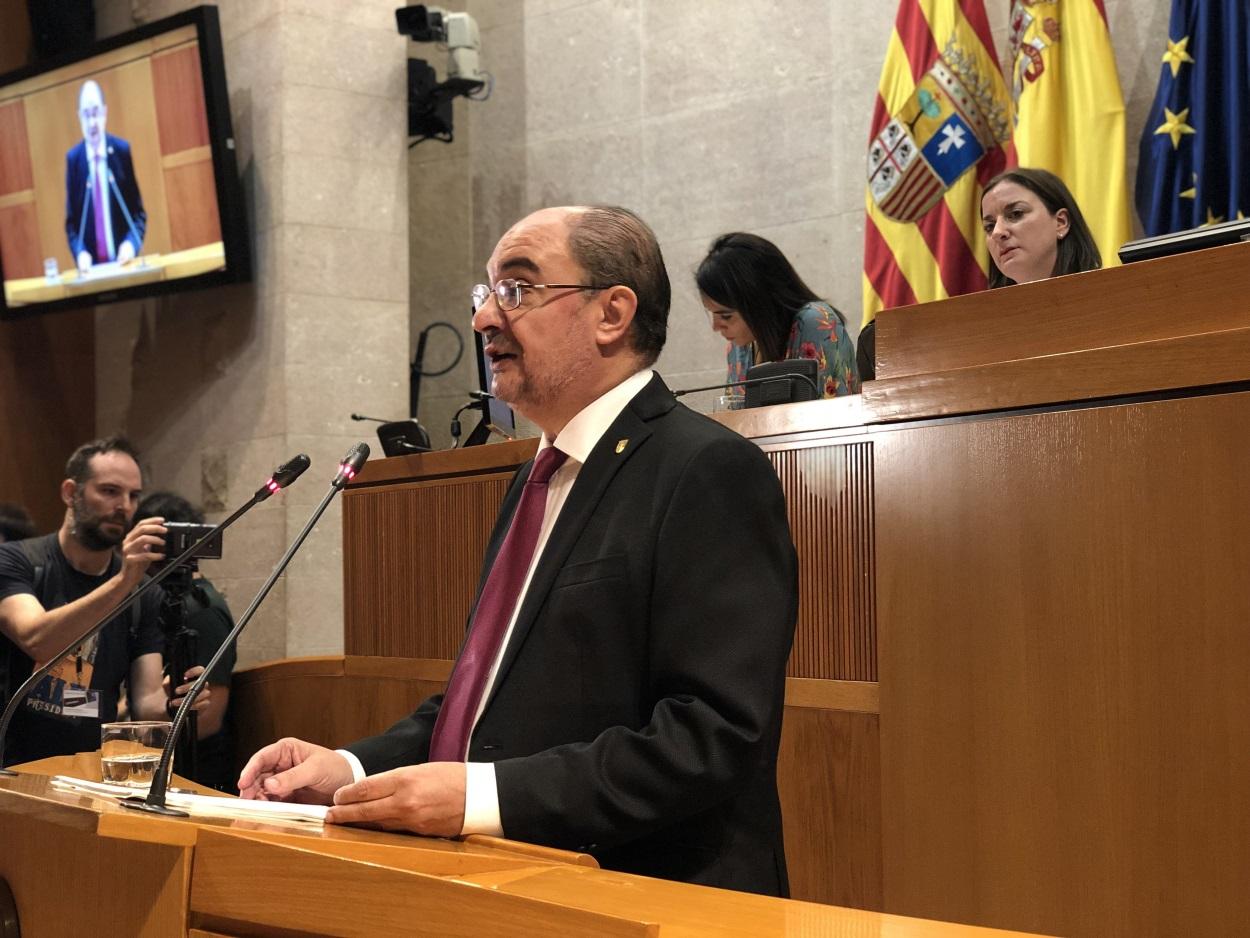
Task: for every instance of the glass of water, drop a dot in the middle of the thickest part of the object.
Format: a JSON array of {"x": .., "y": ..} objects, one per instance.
[{"x": 129, "y": 752}]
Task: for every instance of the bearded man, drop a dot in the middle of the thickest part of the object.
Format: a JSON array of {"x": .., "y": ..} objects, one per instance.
[{"x": 54, "y": 588}]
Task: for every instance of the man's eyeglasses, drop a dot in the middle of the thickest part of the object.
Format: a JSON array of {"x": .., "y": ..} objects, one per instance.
[{"x": 508, "y": 292}]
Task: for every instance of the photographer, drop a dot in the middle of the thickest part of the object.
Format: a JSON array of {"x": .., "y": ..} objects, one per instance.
[
  {"x": 196, "y": 620},
  {"x": 54, "y": 588}
]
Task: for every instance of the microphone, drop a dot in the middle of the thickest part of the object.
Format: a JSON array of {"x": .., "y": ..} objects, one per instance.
[
  {"x": 283, "y": 476},
  {"x": 351, "y": 464},
  {"x": 130, "y": 222},
  {"x": 750, "y": 382},
  {"x": 154, "y": 803}
]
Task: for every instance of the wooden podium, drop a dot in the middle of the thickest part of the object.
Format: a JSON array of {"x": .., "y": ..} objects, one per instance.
[
  {"x": 1018, "y": 693},
  {"x": 81, "y": 866}
]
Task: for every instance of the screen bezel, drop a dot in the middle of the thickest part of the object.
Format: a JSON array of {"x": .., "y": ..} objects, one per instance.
[{"x": 231, "y": 209}]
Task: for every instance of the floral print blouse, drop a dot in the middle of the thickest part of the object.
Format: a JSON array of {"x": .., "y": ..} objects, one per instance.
[{"x": 817, "y": 333}]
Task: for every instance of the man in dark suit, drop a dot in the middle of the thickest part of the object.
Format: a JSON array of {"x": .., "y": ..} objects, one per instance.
[
  {"x": 632, "y": 705},
  {"x": 104, "y": 216}
]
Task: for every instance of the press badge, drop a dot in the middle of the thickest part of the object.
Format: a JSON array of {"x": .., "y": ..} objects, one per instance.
[{"x": 66, "y": 690}]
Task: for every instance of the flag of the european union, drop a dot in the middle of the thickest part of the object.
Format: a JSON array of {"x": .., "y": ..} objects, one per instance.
[{"x": 1194, "y": 164}]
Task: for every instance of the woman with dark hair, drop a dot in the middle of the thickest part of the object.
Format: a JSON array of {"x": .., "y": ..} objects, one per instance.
[
  {"x": 756, "y": 300},
  {"x": 1034, "y": 228}
]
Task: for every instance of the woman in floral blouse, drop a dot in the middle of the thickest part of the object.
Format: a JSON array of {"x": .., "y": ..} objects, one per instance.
[{"x": 756, "y": 300}]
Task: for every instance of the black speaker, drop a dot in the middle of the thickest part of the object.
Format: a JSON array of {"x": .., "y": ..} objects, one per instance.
[
  {"x": 402, "y": 437},
  {"x": 784, "y": 382}
]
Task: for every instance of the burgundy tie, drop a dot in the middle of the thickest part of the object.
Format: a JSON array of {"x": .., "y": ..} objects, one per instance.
[
  {"x": 101, "y": 236},
  {"x": 494, "y": 611}
]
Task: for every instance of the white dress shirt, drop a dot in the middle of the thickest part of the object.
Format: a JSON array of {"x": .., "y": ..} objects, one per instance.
[{"x": 578, "y": 438}]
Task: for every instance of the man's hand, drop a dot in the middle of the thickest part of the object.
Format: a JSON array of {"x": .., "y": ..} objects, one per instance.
[
  {"x": 84, "y": 261},
  {"x": 175, "y": 699},
  {"x": 144, "y": 543},
  {"x": 125, "y": 253},
  {"x": 293, "y": 770},
  {"x": 424, "y": 799}
]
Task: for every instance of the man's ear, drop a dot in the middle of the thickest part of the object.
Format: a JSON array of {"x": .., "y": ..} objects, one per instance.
[
  {"x": 68, "y": 488},
  {"x": 617, "y": 306}
]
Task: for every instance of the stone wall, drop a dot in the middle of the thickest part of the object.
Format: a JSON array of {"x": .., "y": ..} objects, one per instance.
[
  {"x": 704, "y": 117},
  {"x": 218, "y": 387}
]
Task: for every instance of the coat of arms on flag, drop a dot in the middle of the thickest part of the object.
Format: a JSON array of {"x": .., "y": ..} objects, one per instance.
[
  {"x": 940, "y": 129},
  {"x": 1033, "y": 30},
  {"x": 949, "y": 122}
]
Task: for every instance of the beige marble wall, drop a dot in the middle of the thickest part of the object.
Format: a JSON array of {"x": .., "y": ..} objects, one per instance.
[
  {"x": 218, "y": 387},
  {"x": 704, "y": 116}
]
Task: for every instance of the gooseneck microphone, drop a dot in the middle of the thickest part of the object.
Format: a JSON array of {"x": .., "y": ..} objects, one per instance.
[
  {"x": 283, "y": 476},
  {"x": 750, "y": 382},
  {"x": 155, "y": 800}
]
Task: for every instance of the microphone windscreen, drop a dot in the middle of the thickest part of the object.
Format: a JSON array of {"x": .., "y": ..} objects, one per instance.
[
  {"x": 291, "y": 470},
  {"x": 356, "y": 457}
]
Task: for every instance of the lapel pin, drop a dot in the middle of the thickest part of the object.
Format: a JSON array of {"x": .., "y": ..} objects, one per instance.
[{"x": 621, "y": 444}]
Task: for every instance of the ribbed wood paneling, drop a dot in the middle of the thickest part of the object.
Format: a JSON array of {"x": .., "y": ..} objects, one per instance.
[
  {"x": 411, "y": 562},
  {"x": 829, "y": 492}
]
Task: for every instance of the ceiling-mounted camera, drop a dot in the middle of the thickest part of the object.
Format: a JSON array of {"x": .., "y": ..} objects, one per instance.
[{"x": 429, "y": 100}]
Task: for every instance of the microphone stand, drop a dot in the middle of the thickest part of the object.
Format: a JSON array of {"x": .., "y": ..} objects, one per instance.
[
  {"x": 283, "y": 476},
  {"x": 154, "y": 803}
]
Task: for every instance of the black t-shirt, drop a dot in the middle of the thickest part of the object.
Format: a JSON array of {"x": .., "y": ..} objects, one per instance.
[
  {"x": 209, "y": 617},
  {"x": 63, "y": 713}
]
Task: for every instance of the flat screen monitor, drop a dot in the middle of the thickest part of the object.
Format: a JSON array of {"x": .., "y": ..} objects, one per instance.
[
  {"x": 118, "y": 176},
  {"x": 499, "y": 416},
  {"x": 1193, "y": 239}
]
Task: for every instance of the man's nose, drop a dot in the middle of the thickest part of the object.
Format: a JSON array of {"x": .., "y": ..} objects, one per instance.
[{"x": 488, "y": 316}]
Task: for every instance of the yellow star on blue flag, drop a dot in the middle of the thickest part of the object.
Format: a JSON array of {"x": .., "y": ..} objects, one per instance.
[
  {"x": 1203, "y": 101},
  {"x": 1174, "y": 126},
  {"x": 1177, "y": 54}
]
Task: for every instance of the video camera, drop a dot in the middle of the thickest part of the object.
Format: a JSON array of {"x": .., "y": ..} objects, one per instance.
[{"x": 179, "y": 535}]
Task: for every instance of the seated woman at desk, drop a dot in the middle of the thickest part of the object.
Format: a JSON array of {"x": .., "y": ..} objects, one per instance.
[
  {"x": 1034, "y": 228},
  {"x": 756, "y": 300}
]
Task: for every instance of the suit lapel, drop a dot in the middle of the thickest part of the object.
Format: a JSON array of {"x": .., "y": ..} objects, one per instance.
[{"x": 604, "y": 462}]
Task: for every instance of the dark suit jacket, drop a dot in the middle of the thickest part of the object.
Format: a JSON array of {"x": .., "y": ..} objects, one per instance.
[
  {"x": 80, "y": 207},
  {"x": 636, "y": 713}
]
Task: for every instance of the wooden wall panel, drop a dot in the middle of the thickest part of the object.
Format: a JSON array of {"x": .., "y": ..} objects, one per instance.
[
  {"x": 180, "y": 111},
  {"x": 829, "y": 501},
  {"x": 829, "y": 779},
  {"x": 15, "y": 174},
  {"x": 1065, "y": 643},
  {"x": 191, "y": 195},
  {"x": 412, "y": 556},
  {"x": 1151, "y": 301},
  {"x": 19, "y": 241},
  {"x": 47, "y": 406}
]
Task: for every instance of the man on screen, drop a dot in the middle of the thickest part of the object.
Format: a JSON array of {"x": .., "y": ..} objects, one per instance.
[
  {"x": 620, "y": 689},
  {"x": 104, "y": 216}
]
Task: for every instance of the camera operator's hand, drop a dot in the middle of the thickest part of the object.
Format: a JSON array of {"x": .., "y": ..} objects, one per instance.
[
  {"x": 175, "y": 699},
  {"x": 144, "y": 544}
]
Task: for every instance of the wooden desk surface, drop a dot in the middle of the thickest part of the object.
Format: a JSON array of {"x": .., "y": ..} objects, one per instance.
[
  {"x": 151, "y": 268},
  {"x": 234, "y": 860}
]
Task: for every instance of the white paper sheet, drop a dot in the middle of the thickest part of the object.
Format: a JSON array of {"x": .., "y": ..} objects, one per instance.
[{"x": 203, "y": 805}]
